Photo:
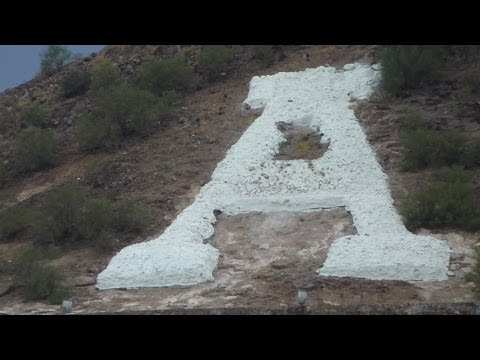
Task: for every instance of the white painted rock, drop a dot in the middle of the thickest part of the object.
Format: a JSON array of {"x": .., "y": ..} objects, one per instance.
[{"x": 249, "y": 179}]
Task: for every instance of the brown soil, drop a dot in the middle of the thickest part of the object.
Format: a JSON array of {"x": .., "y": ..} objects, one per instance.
[
  {"x": 301, "y": 143},
  {"x": 260, "y": 266}
]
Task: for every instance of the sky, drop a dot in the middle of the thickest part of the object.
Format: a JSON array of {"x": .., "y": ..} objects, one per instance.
[{"x": 19, "y": 63}]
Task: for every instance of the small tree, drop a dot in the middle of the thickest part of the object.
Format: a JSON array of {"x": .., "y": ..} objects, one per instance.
[{"x": 54, "y": 57}]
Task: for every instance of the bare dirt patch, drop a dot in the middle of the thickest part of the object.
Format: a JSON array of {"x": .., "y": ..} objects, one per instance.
[{"x": 301, "y": 143}]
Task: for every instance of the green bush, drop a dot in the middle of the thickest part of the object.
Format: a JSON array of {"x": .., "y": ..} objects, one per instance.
[
  {"x": 62, "y": 206},
  {"x": 35, "y": 149},
  {"x": 95, "y": 220},
  {"x": 130, "y": 217},
  {"x": 213, "y": 60},
  {"x": 54, "y": 57},
  {"x": 264, "y": 53},
  {"x": 67, "y": 215},
  {"x": 75, "y": 83},
  {"x": 3, "y": 174},
  {"x": 405, "y": 66},
  {"x": 474, "y": 274},
  {"x": 38, "y": 280},
  {"x": 425, "y": 148},
  {"x": 33, "y": 115},
  {"x": 412, "y": 120},
  {"x": 14, "y": 220},
  {"x": 470, "y": 88},
  {"x": 120, "y": 111},
  {"x": 104, "y": 76},
  {"x": 159, "y": 76},
  {"x": 448, "y": 201},
  {"x": 94, "y": 132}
]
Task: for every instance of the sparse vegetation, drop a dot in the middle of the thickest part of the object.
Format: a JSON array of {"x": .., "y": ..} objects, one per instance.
[
  {"x": 3, "y": 174},
  {"x": 35, "y": 149},
  {"x": 67, "y": 215},
  {"x": 130, "y": 217},
  {"x": 94, "y": 224},
  {"x": 474, "y": 274},
  {"x": 213, "y": 60},
  {"x": 159, "y": 76},
  {"x": 95, "y": 132},
  {"x": 425, "y": 148},
  {"x": 448, "y": 201},
  {"x": 38, "y": 280},
  {"x": 33, "y": 114},
  {"x": 264, "y": 53},
  {"x": 412, "y": 120},
  {"x": 62, "y": 207},
  {"x": 303, "y": 147},
  {"x": 406, "y": 66},
  {"x": 75, "y": 83},
  {"x": 14, "y": 220},
  {"x": 54, "y": 57},
  {"x": 120, "y": 111},
  {"x": 104, "y": 76},
  {"x": 470, "y": 90}
]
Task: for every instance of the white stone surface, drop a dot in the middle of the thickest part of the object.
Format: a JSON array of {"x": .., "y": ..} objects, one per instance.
[{"x": 248, "y": 179}]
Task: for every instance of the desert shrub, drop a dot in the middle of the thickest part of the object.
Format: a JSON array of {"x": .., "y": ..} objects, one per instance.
[
  {"x": 14, "y": 220},
  {"x": 470, "y": 89},
  {"x": 95, "y": 220},
  {"x": 471, "y": 78},
  {"x": 129, "y": 107},
  {"x": 61, "y": 212},
  {"x": 448, "y": 201},
  {"x": 3, "y": 174},
  {"x": 93, "y": 132},
  {"x": 35, "y": 149},
  {"x": 53, "y": 58},
  {"x": 438, "y": 148},
  {"x": 159, "y": 76},
  {"x": 130, "y": 217},
  {"x": 38, "y": 280},
  {"x": 75, "y": 83},
  {"x": 213, "y": 60},
  {"x": 264, "y": 53},
  {"x": 412, "y": 120},
  {"x": 104, "y": 76},
  {"x": 33, "y": 114},
  {"x": 405, "y": 66},
  {"x": 121, "y": 111},
  {"x": 474, "y": 274}
]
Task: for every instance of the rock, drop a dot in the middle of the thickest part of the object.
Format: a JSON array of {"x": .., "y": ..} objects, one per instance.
[
  {"x": 84, "y": 281},
  {"x": 450, "y": 273},
  {"x": 349, "y": 67},
  {"x": 280, "y": 264},
  {"x": 94, "y": 270}
]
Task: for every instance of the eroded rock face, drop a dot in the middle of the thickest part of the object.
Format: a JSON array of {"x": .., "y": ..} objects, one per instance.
[{"x": 250, "y": 179}]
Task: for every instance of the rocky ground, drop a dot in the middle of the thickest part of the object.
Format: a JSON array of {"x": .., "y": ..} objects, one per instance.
[{"x": 209, "y": 122}]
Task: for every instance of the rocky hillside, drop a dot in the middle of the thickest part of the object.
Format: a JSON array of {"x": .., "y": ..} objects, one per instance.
[{"x": 156, "y": 161}]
